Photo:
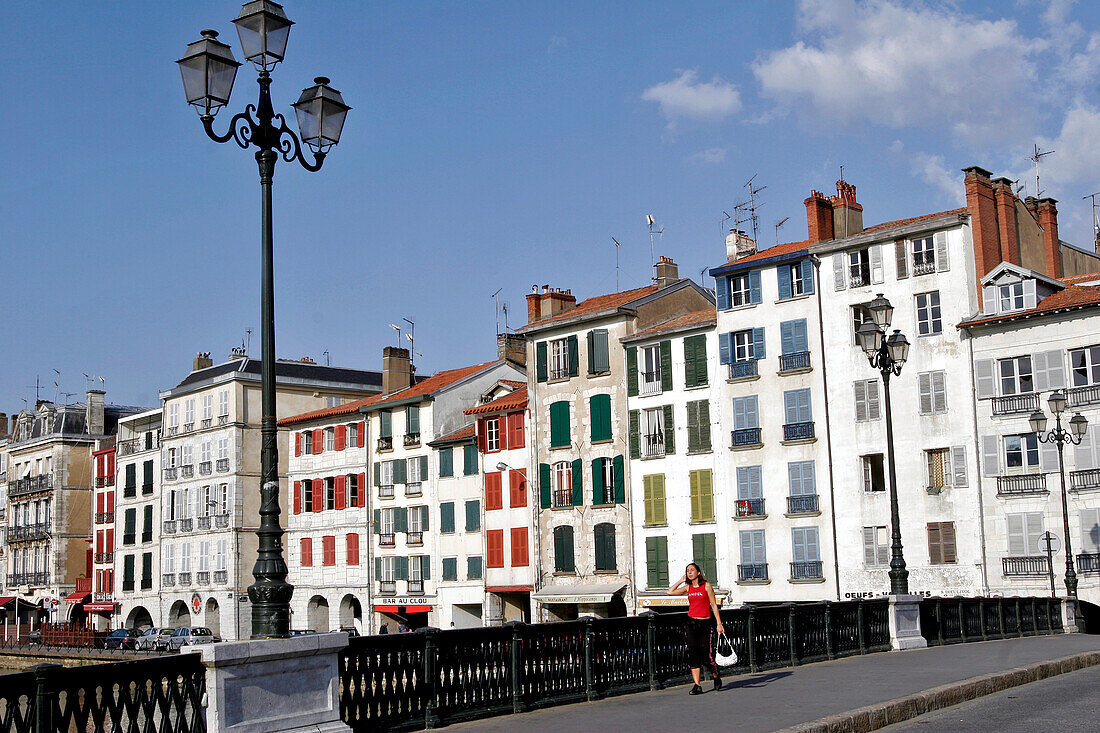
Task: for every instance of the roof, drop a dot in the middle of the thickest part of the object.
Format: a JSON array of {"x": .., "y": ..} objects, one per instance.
[
  {"x": 286, "y": 370},
  {"x": 466, "y": 433},
  {"x": 776, "y": 252},
  {"x": 1078, "y": 279},
  {"x": 510, "y": 401},
  {"x": 600, "y": 303},
  {"x": 1073, "y": 297},
  {"x": 913, "y": 220},
  {"x": 695, "y": 319},
  {"x": 514, "y": 383},
  {"x": 347, "y": 408}
]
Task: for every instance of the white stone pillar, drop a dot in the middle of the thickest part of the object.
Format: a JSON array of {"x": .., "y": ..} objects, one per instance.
[
  {"x": 905, "y": 623},
  {"x": 1069, "y": 615}
]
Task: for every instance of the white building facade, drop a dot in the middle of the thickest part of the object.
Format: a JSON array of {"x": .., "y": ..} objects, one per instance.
[{"x": 136, "y": 504}]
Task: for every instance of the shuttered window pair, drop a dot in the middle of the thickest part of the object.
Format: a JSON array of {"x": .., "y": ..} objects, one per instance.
[
  {"x": 867, "y": 400},
  {"x": 559, "y": 424},
  {"x": 652, "y": 432},
  {"x": 608, "y": 485},
  {"x": 698, "y": 426},
  {"x": 695, "y": 361},
  {"x": 599, "y": 407},
  {"x": 932, "y": 392},
  {"x": 795, "y": 279},
  {"x": 1039, "y": 372},
  {"x": 656, "y": 562},
  {"x": 653, "y": 492},
  {"x": 604, "y": 544},
  {"x": 563, "y": 550},
  {"x": 876, "y": 547},
  {"x": 738, "y": 290},
  {"x": 745, "y": 413},
  {"x": 741, "y": 346},
  {"x": 599, "y": 361},
  {"x": 705, "y": 554},
  {"x": 557, "y": 359},
  {"x": 941, "y": 543},
  {"x": 946, "y": 467},
  {"x": 469, "y": 459},
  {"x": 1024, "y": 530},
  {"x": 446, "y": 462},
  {"x": 702, "y": 495}
]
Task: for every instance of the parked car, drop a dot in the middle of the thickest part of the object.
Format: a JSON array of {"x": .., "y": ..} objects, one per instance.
[
  {"x": 351, "y": 631},
  {"x": 302, "y": 632},
  {"x": 153, "y": 639},
  {"x": 120, "y": 639},
  {"x": 189, "y": 635}
]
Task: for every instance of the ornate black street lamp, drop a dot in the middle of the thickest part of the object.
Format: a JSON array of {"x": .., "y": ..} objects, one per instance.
[
  {"x": 1060, "y": 436},
  {"x": 888, "y": 354},
  {"x": 208, "y": 70}
]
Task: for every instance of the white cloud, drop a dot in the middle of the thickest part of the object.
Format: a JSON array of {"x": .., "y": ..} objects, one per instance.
[
  {"x": 933, "y": 170},
  {"x": 1076, "y": 158},
  {"x": 687, "y": 97},
  {"x": 710, "y": 156}
]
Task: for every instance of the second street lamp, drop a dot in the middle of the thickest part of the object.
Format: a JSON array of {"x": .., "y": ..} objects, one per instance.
[
  {"x": 888, "y": 355},
  {"x": 208, "y": 69}
]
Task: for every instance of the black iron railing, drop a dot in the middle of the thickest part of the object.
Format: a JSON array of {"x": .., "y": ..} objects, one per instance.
[
  {"x": 412, "y": 439},
  {"x": 221, "y": 576},
  {"x": 1085, "y": 480},
  {"x": 104, "y": 517},
  {"x": 187, "y": 471},
  {"x": 1016, "y": 404},
  {"x": 1024, "y": 565},
  {"x": 206, "y": 468},
  {"x": 28, "y": 532},
  {"x": 752, "y": 571},
  {"x": 385, "y": 443},
  {"x": 743, "y": 369},
  {"x": 924, "y": 267},
  {"x": 955, "y": 620},
  {"x": 1080, "y": 396},
  {"x": 1088, "y": 562},
  {"x": 221, "y": 521},
  {"x": 433, "y": 678},
  {"x": 104, "y": 481},
  {"x": 798, "y": 431},
  {"x": 30, "y": 485},
  {"x": 797, "y": 360},
  {"x": 805, "y": 504},
  {"x": 222, "y": 465},
  {"x": 806, "y": 570},
  {"x": 32, "y": 579},
  {"x": 169, "y": 526},
  {"x": 750, "y": 507},
  {"x": 745, "y": 436},
  {"x": 1027, "y": 484},
  {"x": 170, "y": 473}
]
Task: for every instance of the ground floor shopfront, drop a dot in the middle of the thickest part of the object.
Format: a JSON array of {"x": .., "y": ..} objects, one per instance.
[{"x": 568, "y": 602}]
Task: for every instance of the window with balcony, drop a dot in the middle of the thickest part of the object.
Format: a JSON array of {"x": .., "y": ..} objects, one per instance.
[
  {"x": 750, "y": 491},
  {"x": 794, "y": 346},
  {"x": 417, "y": 525},
  {"x": 799, "y": 418},
  {"x": 653, "y": 433},
  {"x": 754, "y": 562},
  {"x": 746, "y": 421},
  {"x": 802, "y": 487},
  {"x": 650, "y": 370},
  {"x": 563, "y": 484},
  {"x": 859, "y": 268},
  {"x": 806, "y": 554},
  {"x": 1024, "y": 554},
  {"x": 560, "y": 359},
  {"x": 1021, "y": 453},
  {"x": 924, "y": 256},
  {"x": 1015, "y": 375},
  {"x": 386, "y": 535},
  {"x": 386, "y": 568},
  {"x": 606, "y": 486}
]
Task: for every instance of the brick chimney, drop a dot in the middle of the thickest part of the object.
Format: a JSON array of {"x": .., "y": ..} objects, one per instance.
[
  {"x": 1007, "y": 226},
  {"x": 93, "y": 416},
  {"x": 847, "y": 212},
  {"x": 982, "y": 204},
  {"x": 549, "y": 302},
  {"x": 3, "y": 424},
  {"x": 1052, "y": 248},
  {"x": 667, "y": 272},
  {"x": 202, "y": 360},
  {"x": 396, "y": 369},
  {"x": 512, "y": 347},
  {"x": 819, "y": 217}
]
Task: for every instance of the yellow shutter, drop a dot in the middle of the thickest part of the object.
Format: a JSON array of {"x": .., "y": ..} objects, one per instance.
[
  {"x": 696, "y": 499},
  {"x": 659, "y": 499},
  {"x": 706, "y": 496}
]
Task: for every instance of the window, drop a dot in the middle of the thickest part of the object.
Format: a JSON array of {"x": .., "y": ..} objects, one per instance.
[
  {"x": 859, "y": 268},
  {"x": 412, "y": 420},
  {"x": 387, "y": 569},
  {"x": 473, "y": 568},
  {"x": 702, "y": 495},
  {"x": 867, "y": 400},
  {"x": 874, "y": 475},
  {"x": 792, "y": 340},
  {"x": 941, "y": 543},
  {"x": 604, "y": 541},
  {"x": 924, "y": 256},
  {"x": 147, "y": 523},
  {"x": 563, "y": 550},
  {"x": 332, "y": 400},
  {"x": 653, "y": 433},
  {"x": 1021, "y": 452},
  {"x": 129, "y": 532},
  {"x": 353, "y": 489},
  {"x": 704, "y": 552},
  {"x": 517, "y": 488},
  {"x": 473, "y": 515},
  {"x": 307, "y": 442},
  {"x": 492, "y": 434},
  {"x": 928, "y": 314},
  {"x": 656, "y": 562},
  {"x": 223, "y": 403},
  {"x": 417, "y": 520},
  {"x": 307, "y": 552},
  {"x": 1015, "y": 374},
  {"x": 469, "y": 460},
  {"x": 1011, "y": 297},
  {"x": 796, "y": 404},
  {"x": 749, "y": 491},
  {"x": 353, "y": 435},
  {"x": 515, "y": 430},
  {"x": 173, "y": 416},
  {"x": 563, "y": 484},
  {"x": 494, "y": 548},
  {"x": 938, "y": 462},
  {"x": 127, "y": 570},
  {"x": 801, "y": 481},
  {"x": 806, "y": 553},
  {"x": 328, "y": 550},
  {"x": 745, "y": 413},
  {"x": 599, "y": 406},
  {"x": 520, "y": 555},
  {"x": 494, "y": 498},
  {"x": 188, "y": 414},
  {"x": 1085, "y": 365},
  {"x": 603, "y": 481},
  {"x": 932, "y": 393},
  {"x": 330, "y": 439},
  {"x": 559, "y": 359},
  {"x": 598, "y": 357},
  {"x": 653, "y": 489},
  {"x": 795, "y": 279},
  {"x": 698, "y": 426},
  {"x": 743, "y": 346},
  {"x": 208, "y": 407},
  {"x": 695, "y": 361},
  {"x": 446, "y": 462},
  {"x": 387, "y": 523},
  {"x": 447, "y": 517},
  {"x": 876, "y": 547},
  {"x": 450, "y": 568},
  {"x": 1090, "y": 531},
  {"x": 307, "y": 495},
  {"x": 651, "y": 370},
  {"x": 860, "y": 314},
  {"x": 740, "y": 290},
  {"x": 351, "y": 548}
]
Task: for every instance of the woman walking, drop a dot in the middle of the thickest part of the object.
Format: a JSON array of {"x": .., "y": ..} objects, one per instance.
[{"x": 702, "y": 615}]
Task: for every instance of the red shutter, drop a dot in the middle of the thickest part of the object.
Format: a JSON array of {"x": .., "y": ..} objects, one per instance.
[
  {"x": 481, "y": 435},
  {"x": 494, "y": 539},
  {"x": 362, "y": 433},
  {"x": 318, "y": 446},
  {"x": 515, "y": 428},
  {"x": 318, "y": 494},
  {"x": 99, "y": 499},
  {"x": 307, "y": 552},
  {"x": 493, "y": 494},
  {"x": 110, "y": 541},
  {"x": 353, "y": 549},
  {"x": 341, "y": 436},
  {"x": 110, "y": 501},
  {"x": 519, "y": 547},
  {"x": 341, "y": 501},
  {"x": 297, "y": 444},
  {"x": 362, "y": 484},
  {"x": 517, "y": 481},
  {"x": 328, "y": 550},
  {"x": 297, "y": 497}
]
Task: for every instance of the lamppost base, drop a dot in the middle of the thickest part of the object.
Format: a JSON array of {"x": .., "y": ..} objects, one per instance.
[
  {"x": 1070, "y": 619},
  {"x": 905, "y": 623}
]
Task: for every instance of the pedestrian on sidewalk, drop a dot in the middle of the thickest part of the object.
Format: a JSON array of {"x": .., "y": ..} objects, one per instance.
[{"x": 702, "y": 621}]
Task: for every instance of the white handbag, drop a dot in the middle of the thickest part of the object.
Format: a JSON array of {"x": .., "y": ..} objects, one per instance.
[{"x": 724, "y": 655}]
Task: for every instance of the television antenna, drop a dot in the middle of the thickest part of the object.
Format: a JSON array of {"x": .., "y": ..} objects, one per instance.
[
  {"x": 617, "y": 246},
  {"x": 397, "y": 328},
  {"x": 1095, "y": 214},
  {"x": 247, "y": 339},
  {"x": 496, "y": 308},
  {"x": 37, "y": 386},
  {"x": 504, "y": 309},
  {"x": 411, "y": 336},
  {"x": 722, "y": 224},
  {"x": 660, "y": 235},
  {"x": 327, "y": 357},
  {"x": 1037, "y": 155},
  {"x": 746, "y": 210},
  {"x": 778, "y": 224}
]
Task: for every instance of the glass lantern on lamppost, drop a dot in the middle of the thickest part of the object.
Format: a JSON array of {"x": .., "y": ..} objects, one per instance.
[
  {"x": 208, "y": 69},
  {"x": 888, "y": 354},
  {"x": 1059, "y": 436}
]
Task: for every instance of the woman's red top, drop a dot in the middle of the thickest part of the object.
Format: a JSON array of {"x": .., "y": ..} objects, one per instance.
[{"x": 698, "y": 601}]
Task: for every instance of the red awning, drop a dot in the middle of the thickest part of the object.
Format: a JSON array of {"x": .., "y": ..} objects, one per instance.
[
  {"x": 78, "y": 597},
  {"x": 388, "y": 609},
  {"x": 100, "y": 607},
  {"x": 418, "y": 608},
  {"x": 5, "y": 600}
]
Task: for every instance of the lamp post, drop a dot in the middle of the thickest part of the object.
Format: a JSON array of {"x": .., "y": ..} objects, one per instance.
[
  {"x": 208, "y": 69},
  {"x": 888, "y": 355},
  {"x": 1060, "y": 436}
]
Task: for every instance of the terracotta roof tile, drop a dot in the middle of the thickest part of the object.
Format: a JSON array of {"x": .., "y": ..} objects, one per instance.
[
  {"x": 600, "y": 302},
  {"x": 913, "y": 220},
  {"x": 695, "y": 318},
  {"x": 345, "y": 409},
  {"x": 1074, "y": 296},
  {"x": 462, "y": 434},
  {"x": 1077, "y": 279},
  {"x": 510, "y": 401},
  {"x": 774, "y": 251},
  {"x": 514, "y": 384}
]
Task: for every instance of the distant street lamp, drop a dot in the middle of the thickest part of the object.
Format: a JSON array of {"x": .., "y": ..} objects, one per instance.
[
  {"x": 208, "y": 69},
  {"x": 1060, "y": 436},
  {"x": 888, "y": 355}
]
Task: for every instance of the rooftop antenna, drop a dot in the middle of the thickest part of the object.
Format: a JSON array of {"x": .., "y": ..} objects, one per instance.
[
  {"x": 37, "y": 388},
  {"x": 842, "y": 174},
  {"x": 247, "y": 339},
  {"x": 660, "y": 235},
  {"x": 1037, "y": 155},
  {"x": 327, "y": 360},
  {"x": 1095, "y": 214},
  {"x": 57, "y": 386},
  {"x": 411, "y": 336},
  {"x": 778, "y": 224},
  {"x": 504, "y": 308},
  {"x": 397, "y": 328},
  {"x": 496, "y": 308},
  {"x": 1019, "y": 187},
  {"x": 617, "y": 245},
  {"x": 753, "y": 190}
]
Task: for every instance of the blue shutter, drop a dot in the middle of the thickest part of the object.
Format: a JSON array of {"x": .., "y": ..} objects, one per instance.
[
  {"x": 787, "y": 337},
  {"x": 807, "y": 277},
  {"x": 784, "y": 273},
  {"x": 722, "y": 290},
  {"x": 754, "y": 286},
  {"x": 758, "y": 343},
  {"x": 725, "y": 348},
  {"x": 799, "y": 334},
  {"x": 739, "y": 419},
  {"x": 751, "y": 412}
]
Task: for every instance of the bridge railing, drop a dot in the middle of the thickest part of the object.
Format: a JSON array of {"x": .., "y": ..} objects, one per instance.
[
  {"x": 957, "y": 620},
  {"x": 429, "y": 678}
]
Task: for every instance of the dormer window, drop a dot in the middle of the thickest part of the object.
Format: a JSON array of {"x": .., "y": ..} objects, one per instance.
[{"x": 1011, "y": 296}]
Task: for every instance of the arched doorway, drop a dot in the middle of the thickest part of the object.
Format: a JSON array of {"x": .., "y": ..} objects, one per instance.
[
  {"x": 78, "y": 616},
  {"x": 139, "y": 618},
  {"x": 317, "y": 614},
  {"x": 179, "y": 615},
  {"x": 212, "y": 617},
  {"x": 351, "y": 613}
]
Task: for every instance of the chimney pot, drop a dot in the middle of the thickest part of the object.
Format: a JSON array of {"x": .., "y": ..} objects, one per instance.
[
  {"x": 396, "y": 369},
  {"x": 667, "y": 272},
  {"x": 202, "y": 361}
]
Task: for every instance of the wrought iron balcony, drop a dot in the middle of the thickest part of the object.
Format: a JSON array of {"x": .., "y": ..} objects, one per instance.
[
  {"x": 128, "y": 447},
  {"x": 169, "y": 526},
  {"x": 1086, "y": 480},
  {"x": 30, "y": 485},
  {"x": 1024, "y": 566},
  {"x": 221, "y": 577},
  {"x": 745, "y": 436},
  {"x": 104, "y": 557},
  {"x": 795, "y": 361},
  {"x": 753, "y": 571},
  {"x": 414, "y": 488},
  {"x": 1017, "y": 404},
  {"x": 653, "y": 445},
  {"x": 102, "y": 596},
  {"x": 858, "y": 280},
  {"x": 221, "y": 521},
  {"x": 185, "y": 578},
  {"x": 808, "y": 570},
  {"x": 750, "y": 507},
  {"x": 223, "y": 419},
  {"x": 1028, "y": 484},
  {"x": 414, "y": 538},
  {"x": 1088, "y": 562},
  {"x": 222, "y": 465},
  {"x": 385, "y": 491},
  {"x": 205, "y": 522},
  {"x": 173, "y": 429},
  {"x": 559, "y": 372},
  {"x": 202, "y": 577},
  {"x": 168, "y": 580},
  {"x": 207, "y": 422},
  {"x": 129, "y": 491},
  {"x": 104, "y": 517},
  {"x": 1081, "y": 396},
  {"x": 104, "y": 481},
  {"x": 146, "y": 489},
  {"x": 387, "y": 539},
  {"x": 924, "y": 267},
  {"x": 798, "y": 431},
  {"x": 805, "y": 504},
  {"x": 28, "y": 532},
  {"x": 387, "y": 587},
  {"x": 170, "y": 473},
  {"x": 187, "y": 471},
  {"x": 385, "y": 443},
  {"x": 651, "y": 383},
  {"x": 416, "y": 586},
  {"x": 186, "y": 525},
  {"x": 743, "y": 369},
  {"x": 412, "y": 439},
  {"x": 206, "y": 468},
  {"x": 188, "y": 427},
  {"x": 129, "y": 539}
]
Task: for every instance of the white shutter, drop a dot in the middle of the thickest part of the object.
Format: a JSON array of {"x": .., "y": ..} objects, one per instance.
[
  {"x": 875, "y": 251},
  {"x": 1084, "y": 452},
  {"x": 883, "y": 546},
  {"x": 989, "y": 300},
  {"x": 861, "y": 400},
  {"x": 798, "y": 544},
  {"x": 1048, "y": 457},
  {"x": 939, "y": 392},
  {"x": 1033, "y": 529},
  {"x": 983, "y": 375},
  {"x": 1090, "y": 530},
  {"x": 942, "y": 264},
  {"x": 1017, "y": 537},
  {"x": 873, "y": 407},
  {"x": 991, "y": 455},
  {"x": 901, "y": 257},
  {"x": 1039, "y": 371},
  {"x": 924, "y": 388},
  {"x": 1030, "y": 298},
  {"x": 958, "y": 464},
  {"x": 840, "y": 280},
  {"x": 1055, "y": 368}
]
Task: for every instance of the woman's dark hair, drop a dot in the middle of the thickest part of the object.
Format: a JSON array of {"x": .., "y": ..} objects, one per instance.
[{"x": 699, "y": 577}]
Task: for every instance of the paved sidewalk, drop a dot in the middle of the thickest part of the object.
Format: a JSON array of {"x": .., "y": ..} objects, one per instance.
[{"x": 768, "y": 701}]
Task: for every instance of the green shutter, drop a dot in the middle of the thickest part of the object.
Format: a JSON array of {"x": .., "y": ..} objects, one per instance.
[
  {"x": 377, "y": 473},
  {"x": 703, "y": 550},
  {"x": 401, "y": 568},
  {"x": 666, "y": 365},
  {"x": 469, "y": 459},
  {"x": 399, "y": 473},
  {"x": 689, "y": 361},
  {"x": 400, "y": 519},
  {"x": 544, "y": 484},
  {"x": 559, "y": 549},
  {"x": 574, "y": 356},
  {"x": 131, "y": 521},
  {"x": 600, "y": 408},
  {"x": 620, "y": 483},
  {"x": 693, "y": 482},
  {"x": 424, "y": 468},
  {"x": 591, "y": 342},
  {"x": 695, "y": 361},
  {"x": 632, "y": 373},
  {"x": 656, "y": 555},
  {"x": 559, "y": 424},
  {"x": 473, "y": 515},
  {"x": 378, "y": 568},
  {"x": 635, "y": 439},
  {"x": 446, "y": 517},
  {"x": 425, "y": 567},
  {"x": 670, "y": 431},
  {"x": 385, "y": 431},
  {"x": 446, "y": 462},
  {"x": 412, "y": 419},
  {"x": 377, "y": 521},
  {"x": 540, "y": 361},
  {"x": 578, "y": 482},
  {"x": 693, "y": 426},
  {"x": 597, "y": 480},
  {"x": 703, "y": 417}
]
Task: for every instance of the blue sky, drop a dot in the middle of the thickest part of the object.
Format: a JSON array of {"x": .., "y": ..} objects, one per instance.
[{"x": 491, "y": 145}]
